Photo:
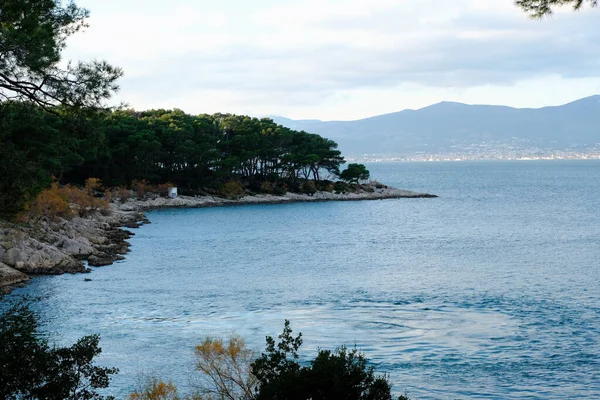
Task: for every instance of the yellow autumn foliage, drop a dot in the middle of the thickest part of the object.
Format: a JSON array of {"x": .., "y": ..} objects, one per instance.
[
  {"x": 66, "y": 201},
  {"x": 156, "y": 389},
  {"x": 226, "y": 367}
]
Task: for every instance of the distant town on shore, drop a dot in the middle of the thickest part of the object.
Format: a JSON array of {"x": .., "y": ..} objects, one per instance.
[{"x": 484, "y": 153}]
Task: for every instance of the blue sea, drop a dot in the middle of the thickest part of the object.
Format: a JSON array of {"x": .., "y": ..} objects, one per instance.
[{"x": 490, "y": 291}]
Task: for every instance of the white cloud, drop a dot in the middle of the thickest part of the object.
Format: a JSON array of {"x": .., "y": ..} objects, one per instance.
[{"x": 338, "y": 59}]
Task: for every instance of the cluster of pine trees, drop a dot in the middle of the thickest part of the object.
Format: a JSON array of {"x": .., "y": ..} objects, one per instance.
[
  {"x": 193, "y": 152},
  {"x": 204, "y": 150}
]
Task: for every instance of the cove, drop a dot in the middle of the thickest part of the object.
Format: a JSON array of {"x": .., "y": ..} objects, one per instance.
[{"x": 489, "y": 291}]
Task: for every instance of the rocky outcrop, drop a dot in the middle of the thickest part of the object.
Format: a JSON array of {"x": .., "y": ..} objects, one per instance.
[
  {"x": 61, "y": 246},
  {"x": 10, "y": 277},
  {"x": 23, "y": 251}
]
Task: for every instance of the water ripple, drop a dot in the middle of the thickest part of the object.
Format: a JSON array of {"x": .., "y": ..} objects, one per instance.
[{"x": 490, "y": 291}]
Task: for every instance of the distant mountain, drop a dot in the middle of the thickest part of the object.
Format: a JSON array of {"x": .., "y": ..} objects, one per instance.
[{"x": 449, "y": 127}]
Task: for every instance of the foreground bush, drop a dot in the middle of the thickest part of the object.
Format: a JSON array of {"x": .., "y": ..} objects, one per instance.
[
  {"x": 31, "y": 369},
  {"x": 340, "y": 374},
  {"x": 230, "y": 371}
]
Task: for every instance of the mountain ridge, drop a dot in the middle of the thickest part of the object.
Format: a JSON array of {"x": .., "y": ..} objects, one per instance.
[{"x": 446, "y": 127}]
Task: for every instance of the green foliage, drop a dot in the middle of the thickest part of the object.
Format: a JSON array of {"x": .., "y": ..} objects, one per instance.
[
  {"x": 325, "y": 185},
  {"x": 280, "y": 189},
  {"x": 309, "y": 187},
  {"x": 157, "y": 146},
  {"x": 32, "y": 151},
  {"x": 228, "y": 371},
  {"x": 542, "y": 8},
  {"x": 233, "y": 190},
  {"x": 19, "y": 180},
  {"x": 341, "y": 187},
  {"x": 36, "y": 93},
  {"x": 30, "y": 368},
  {"x": 267, "y": 187},
  {"x": 205, "y": 151},
  {"x": 277, "y": 371},
  {"x": 355, "y": 173},
  {"x": 143, "y": 150},
  {"x": 32, "y": 36},
  {"x": 344, "y": 374},
  {"x": 340, "y": 374}
]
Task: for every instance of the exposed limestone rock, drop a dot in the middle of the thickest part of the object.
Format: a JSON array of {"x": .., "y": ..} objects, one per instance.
[
  {"x": 56, "y": 247},
  {"x": 34, "y": 257},
  {"x": 101, "y": 259},
  {"x": 10, "y": 277},
  {"x": 79, "y": 247}
]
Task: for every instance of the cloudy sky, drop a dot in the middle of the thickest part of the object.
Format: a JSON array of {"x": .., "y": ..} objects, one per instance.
[{"x": 339, "y": 59}]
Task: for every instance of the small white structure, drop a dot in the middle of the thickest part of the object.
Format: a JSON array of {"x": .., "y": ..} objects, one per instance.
[{"x": 172, "y": 192}]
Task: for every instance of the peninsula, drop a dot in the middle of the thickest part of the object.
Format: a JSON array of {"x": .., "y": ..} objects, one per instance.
[{"x": 53, "y": 246}]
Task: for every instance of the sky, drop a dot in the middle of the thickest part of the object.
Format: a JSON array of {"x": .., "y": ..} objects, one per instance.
[{"x": 339, "y": 59}]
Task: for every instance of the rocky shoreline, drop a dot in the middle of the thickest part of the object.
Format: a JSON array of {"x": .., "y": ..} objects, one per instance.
[
  {"x": 57, "y": 247},
  {"x": 213, "y": 201},
  {"x": 61, "y": 246}
]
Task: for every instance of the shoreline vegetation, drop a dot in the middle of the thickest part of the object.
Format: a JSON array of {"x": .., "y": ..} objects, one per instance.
[{"x": 53, "y": 246}]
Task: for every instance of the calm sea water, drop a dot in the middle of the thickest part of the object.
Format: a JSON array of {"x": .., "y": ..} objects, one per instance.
[{"x": 489, "y": 291}]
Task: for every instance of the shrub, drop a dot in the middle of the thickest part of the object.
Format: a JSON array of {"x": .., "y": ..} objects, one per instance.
[
  {"x": 277, "y": 370},
  {"x": 84, "y": 201},
  {"x": 280, "y": 189},
  {"x": 225, "y": 368},
  {"x": 341, "y": 374},
  {"x": 123, "y": 194},
  {"x": 233, "y": 190},
  {"x": 90, "y": 202},
  {"x": 155, "y": 389},
  {"x": 92, "y": 185},
  {"x": 228, "y": 371},
  {"x": 71, "y": 194},
  {"x": 377, "y": 184},
  {"x": 108, "y": 196},
  {"x": 31, "y": 369},
  {"x": 367, "y": 188},
  {"x": 67, "y": 201},
  {"x": 309, "y": 188},
  {"x": 266, "y": 187},
  {"x": 50, "y": 203},
  {"x": 163, "y": 189},
  {"x": 340, "y": 187},
  {"x": 344, "y": 374},
  {"x": 326, "y": 186},
  {"x": 140, "y": 188}
]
